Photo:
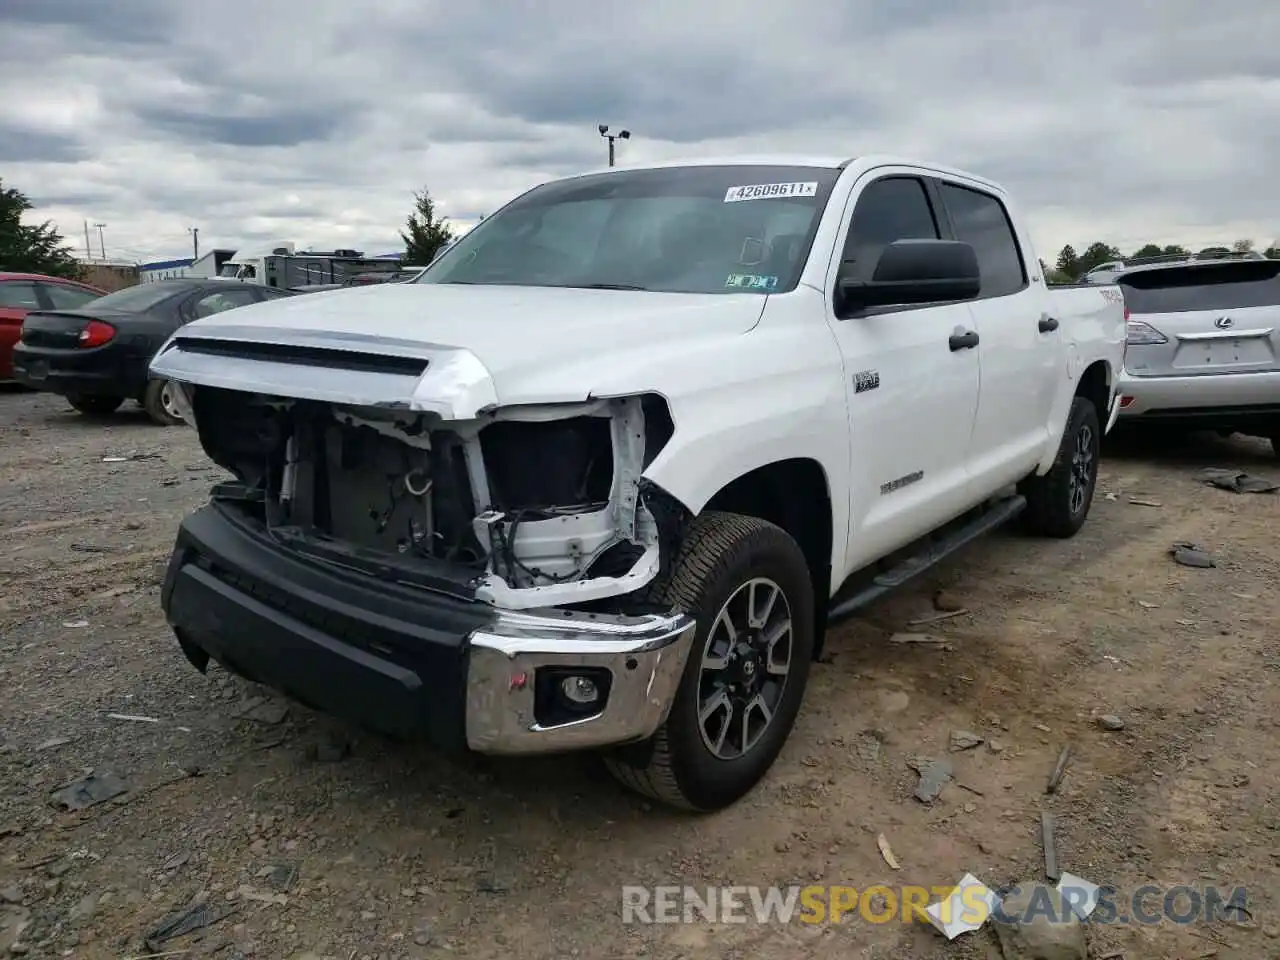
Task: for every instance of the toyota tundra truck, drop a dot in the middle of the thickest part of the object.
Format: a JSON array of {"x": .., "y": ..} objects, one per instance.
[{"x": 603, "y": 475}]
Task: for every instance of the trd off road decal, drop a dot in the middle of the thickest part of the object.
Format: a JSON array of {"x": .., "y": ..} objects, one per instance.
[
  {"x": 901, "y": 482},
  {"x": 865, "y": 380}
]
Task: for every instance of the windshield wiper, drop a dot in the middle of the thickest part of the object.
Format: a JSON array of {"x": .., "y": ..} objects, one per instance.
[{"x": 606, "y": 286}]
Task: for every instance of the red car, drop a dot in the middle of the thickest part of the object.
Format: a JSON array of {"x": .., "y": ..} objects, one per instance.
[{"x": 23, "y": 292}]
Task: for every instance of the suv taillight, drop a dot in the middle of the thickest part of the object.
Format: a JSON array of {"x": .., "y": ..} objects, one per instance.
[{"x": 96, "y": 333}]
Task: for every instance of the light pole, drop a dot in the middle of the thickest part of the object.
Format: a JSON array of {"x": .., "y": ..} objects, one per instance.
[
  {"x": 102, "y": 244},
  {"x": 620, "y": 135}
]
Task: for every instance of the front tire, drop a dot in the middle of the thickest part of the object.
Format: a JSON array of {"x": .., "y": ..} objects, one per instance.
[
  {"x": 159, "y": 403},
  {"x": 747, "y": 583},
  {"x": 94, "y": 405},
  {"x": 1059, "y": 501}
]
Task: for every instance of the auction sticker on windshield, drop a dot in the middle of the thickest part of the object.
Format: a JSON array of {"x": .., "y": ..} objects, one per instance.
[{"x": 767, "y": 191}]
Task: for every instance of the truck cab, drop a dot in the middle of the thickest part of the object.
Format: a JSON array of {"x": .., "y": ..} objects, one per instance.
[{"x": 602, "y": 475}]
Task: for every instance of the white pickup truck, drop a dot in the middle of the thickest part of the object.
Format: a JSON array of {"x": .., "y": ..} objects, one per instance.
[{"x": 601, "y": 477}]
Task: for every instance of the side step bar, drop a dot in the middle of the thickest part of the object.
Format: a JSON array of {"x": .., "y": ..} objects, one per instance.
[{"x": 996, "y": 515}]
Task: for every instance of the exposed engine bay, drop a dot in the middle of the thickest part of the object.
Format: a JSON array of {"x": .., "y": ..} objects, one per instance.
[{"x": 530, "y": 506}]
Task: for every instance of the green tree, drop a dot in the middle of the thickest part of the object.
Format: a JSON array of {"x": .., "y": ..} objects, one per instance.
[
  {"x": 1148, "y": 250},
  {"x": 1213, "y": 252},
  {"x": 1175, "y": 250},
  {"x": 1095, "y": 254},
  {"x": 1272, "y": 252},
  {"x": 31, "y": 249},
  {"x": 1068, "y": 263},
  {"x": 427, "y": 232}
]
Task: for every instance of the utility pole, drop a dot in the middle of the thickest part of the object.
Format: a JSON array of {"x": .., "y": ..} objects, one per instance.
[
  {"x": 620, "y": 135},
  {"x": 102, "y": 244},
  {"x": 195, "y": 242},
  {"x": 88, "y": 250}
]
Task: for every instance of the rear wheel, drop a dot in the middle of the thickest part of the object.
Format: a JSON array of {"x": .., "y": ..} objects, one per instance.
[
  {"x": 159, "y": 403},
  {"x": 1059, "y": 501},
  {"x": 747, "y": 583},
  {"x": 94, "y": 405}
]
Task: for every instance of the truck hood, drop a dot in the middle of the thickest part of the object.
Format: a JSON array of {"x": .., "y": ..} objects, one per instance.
[{"x": 482, "y": 345}]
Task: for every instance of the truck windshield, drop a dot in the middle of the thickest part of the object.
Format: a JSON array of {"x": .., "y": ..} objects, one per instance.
[
  {"x": 696, "y": 229},
  {"x": 1219, "y": 286}
]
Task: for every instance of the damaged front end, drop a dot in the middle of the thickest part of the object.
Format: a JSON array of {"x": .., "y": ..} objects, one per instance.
[
  {"x": 400, "y": 549},
  {"x": 529, "y": 506}
]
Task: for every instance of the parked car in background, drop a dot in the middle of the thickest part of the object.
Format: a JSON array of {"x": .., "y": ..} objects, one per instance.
[
  {"x": 20, "y": 293},
  {"x": 1203, "y": 346},
  {"x": 96, "y": 353},
  {"x": 588, "y": 486}
]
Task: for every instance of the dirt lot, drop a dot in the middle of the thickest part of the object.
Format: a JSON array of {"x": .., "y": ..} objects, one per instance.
[{"x": 325, "y": 842}]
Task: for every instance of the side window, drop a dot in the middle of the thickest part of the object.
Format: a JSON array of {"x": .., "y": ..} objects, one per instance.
[
  {"x": 221, "y": 300},
  {"x": 895, "y": 208},
  {"x": 66, "y": 297},
  {"x": 19, "y": 295},
  {"x": 981, "y": 220}
]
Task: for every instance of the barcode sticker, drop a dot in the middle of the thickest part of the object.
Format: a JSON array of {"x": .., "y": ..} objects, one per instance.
[{"x": 768, "y": 191}]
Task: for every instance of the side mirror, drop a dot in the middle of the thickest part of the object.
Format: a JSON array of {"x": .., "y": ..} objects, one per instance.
[{"x": 914, "y": 272}]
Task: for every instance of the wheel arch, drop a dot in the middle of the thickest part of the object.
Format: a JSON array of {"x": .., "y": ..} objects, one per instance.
[
  {"x": 794, "y": 494},
  {"x": 1095, "y": 385}
]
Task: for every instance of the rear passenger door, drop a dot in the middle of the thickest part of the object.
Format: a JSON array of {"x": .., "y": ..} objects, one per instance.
[
  {"x": 911, "y": 397},
  {"x": 1019, "y": 360}
]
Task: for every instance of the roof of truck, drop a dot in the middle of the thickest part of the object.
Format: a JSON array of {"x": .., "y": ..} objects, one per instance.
[{"x": 796, "y": 160}]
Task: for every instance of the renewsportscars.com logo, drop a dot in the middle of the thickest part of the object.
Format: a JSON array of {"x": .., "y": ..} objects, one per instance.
[{"x": 882, "y": 904}]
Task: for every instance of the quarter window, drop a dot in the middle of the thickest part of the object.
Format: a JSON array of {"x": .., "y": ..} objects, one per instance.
[
  {"x": 894, "y": 208},
  {"x": 67, "y": 297},
  {"x": 19, "y": 294},
  {"x": 981, "y": 221}
]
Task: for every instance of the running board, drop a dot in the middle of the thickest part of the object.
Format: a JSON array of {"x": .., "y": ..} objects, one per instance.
[{"x": 1000, "y": 512}]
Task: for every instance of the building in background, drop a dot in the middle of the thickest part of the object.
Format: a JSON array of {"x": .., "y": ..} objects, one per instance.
[
  {"x": 207, "y": 266},
  {"x": 109, "y": 274}
]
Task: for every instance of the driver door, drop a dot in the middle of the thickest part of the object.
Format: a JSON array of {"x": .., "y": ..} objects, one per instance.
[{"x": 912, "y": 398}]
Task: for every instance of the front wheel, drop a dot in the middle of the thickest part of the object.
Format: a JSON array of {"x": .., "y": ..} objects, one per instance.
[
  {"x": 94, "y": 405},
  {"x": 160, "y": 405},
  {"x": 1059, "y": 501},
  {"x": 748, "y": 585}
]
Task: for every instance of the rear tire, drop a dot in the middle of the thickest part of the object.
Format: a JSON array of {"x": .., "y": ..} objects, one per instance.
[
  {"x": 159, "y": 404},
  {"x": 1058, "y": 502},
  {"x": 94, "y": 405},
  {"x": 740, "y": 691}
]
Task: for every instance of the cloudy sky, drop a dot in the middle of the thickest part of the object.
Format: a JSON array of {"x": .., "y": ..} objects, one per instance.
[{"x": 315, "y": 120}]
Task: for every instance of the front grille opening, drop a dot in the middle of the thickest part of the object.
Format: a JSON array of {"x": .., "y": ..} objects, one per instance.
[{"x": 308, "y": 356}]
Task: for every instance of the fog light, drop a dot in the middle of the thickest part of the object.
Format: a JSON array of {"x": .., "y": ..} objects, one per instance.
[{"x": 580, "y": 690}]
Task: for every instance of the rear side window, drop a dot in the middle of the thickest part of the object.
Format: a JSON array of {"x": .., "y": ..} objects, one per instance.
[
  {"x": 1181, "y": 289},
  {"x": 893, "y": 208},
  {"x": 19, "y": 294},
  {"x": 981, "y": 221},
  {"x": 67, "y": 297}
]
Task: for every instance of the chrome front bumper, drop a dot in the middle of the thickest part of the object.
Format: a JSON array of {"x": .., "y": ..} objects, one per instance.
[{"x": 644, "y": 658}]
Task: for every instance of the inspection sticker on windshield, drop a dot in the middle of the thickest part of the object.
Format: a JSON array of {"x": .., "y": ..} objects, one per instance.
[
  {"x": 767, "y": 191},
  {"x": 750, "y": 281}
]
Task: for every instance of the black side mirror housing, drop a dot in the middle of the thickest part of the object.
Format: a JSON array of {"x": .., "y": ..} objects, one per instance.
[{"x": 914, "y": 272}]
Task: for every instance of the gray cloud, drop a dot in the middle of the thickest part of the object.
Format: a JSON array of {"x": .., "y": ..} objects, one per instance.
[
  {"x": 22, "y": 144},
  {"x": 285, "y": 128},
  {"x": 269, "y": 121}
]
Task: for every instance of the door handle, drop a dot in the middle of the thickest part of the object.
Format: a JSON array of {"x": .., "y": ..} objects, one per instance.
[
  {"x": 963, "y": 341},
  {"x": 1048, "y": 324}
]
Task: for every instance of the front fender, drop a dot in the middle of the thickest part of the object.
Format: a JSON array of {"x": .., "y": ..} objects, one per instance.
[{"x": 782, "y": 396}]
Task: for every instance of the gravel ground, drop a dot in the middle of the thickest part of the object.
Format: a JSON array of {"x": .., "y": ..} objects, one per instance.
[{"x": 305, "y": 838}]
